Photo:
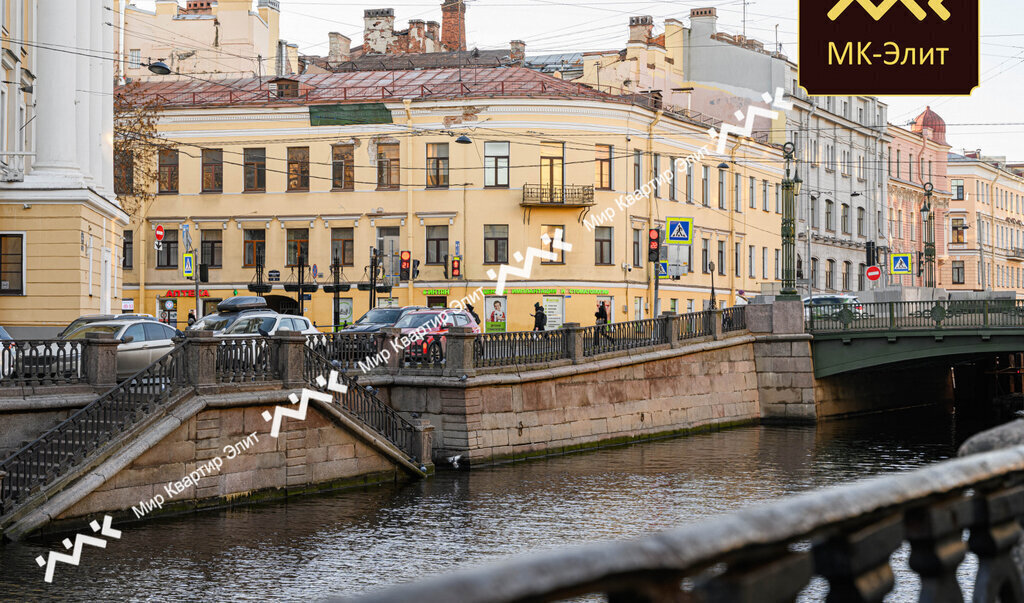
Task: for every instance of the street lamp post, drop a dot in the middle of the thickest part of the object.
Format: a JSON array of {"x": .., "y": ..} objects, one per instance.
[
  {"x": 714, "y": 302},
  {"x": 928, "y": 221},
  {"x": 790, "y": 189}
]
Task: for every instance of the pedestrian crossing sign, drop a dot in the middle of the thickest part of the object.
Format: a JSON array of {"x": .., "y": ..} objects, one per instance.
[
  {"x": 901, "y": 263},
  {"x": 187, "y": 266},
  {"x": 663, "y": 269},
  {"x": 680, "y": 231}
]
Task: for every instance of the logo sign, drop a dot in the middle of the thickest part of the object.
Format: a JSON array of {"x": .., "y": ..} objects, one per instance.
[
  {"x": 187, "y": 265},
  {"x": 680, "y": 231},
  {"x": 663, "y": 270},
  {"x": 911, "y": 47},
  {"x": 160, "y": 232},
  {"x": 128, "y": 305},
  {"x": 274, "y": 276},
  {"x": 901, "y": 263},
  {"x": 873, "y": 273}
]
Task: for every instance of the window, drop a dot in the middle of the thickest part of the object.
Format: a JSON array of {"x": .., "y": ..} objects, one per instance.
[
  {"x": 603, "y": 167},
  {"x": 298, "y": 168},
  {"x": 255, "y": 170},
  {"x": 388, "y": 167},
  {"x": 124, "y": 171},
  {"x": 603, "y": 245},
  {"x": 168, "y": 165},
  {"x": 254, "y": 247},
  {"x": 705, "y": 255},
  {"x": 12, "y": 264},
  {"x": 778, "y": 264},
  {"x": 828, "y": 216},
  {"x": 861, "y": 277},
  {"x": 496, "y": 156},
  {"x": 847, "y": 267},
  {"x": 830, "y": 270},
  {"x": 721, "y": 189},
  {"x": 958, "y": 230},
  {"x": 721, "y": 258},
  {"x": 437, "y": 244},
  {"x": 286, "y": 88},
  {"x": 343, "y": 246},
  {"x": 637, "y": 171},
  {"x": 637, "y": 246},
  {"x": 210, "y": 251},
  {"x": 689, "y": 182},
  {"x": 899, "y": 169},
  {"x": 814, "y": 272},
  {"x": 751, "y": 264},
  {"x": 213, "y": 170},
  {"x": 496, "y": 243},
  {"x": 343, "y": 167},
  {"x": 958, "y": 272},
  {"x": 814, "y": 212},
  {"x": 551, "y": 229},
  {"x": 910, "y": 168},
  {"x": 737, "y": 261},
  {"x": 437, "y": 165},
  {"x": 899, "y": 224},
  {"x": 778, "y": 198},
  {"x": 167, "y": 256},
  {"x": 751, "y": 193},
  {"x": 298, "y": 247},
  {"x": 764, "y": 195},
  {"x": 958, "y": 190},
  {"x": 764, "y": 263},
  {"x": 737, "y": 193},
  {"x": 127, "y": 249},
  {"x": 657, "y": 180},
  {"x": 860, "y": 221},
  {"x": 135, "y": 58},
  {"x": 844, "y": 218}
]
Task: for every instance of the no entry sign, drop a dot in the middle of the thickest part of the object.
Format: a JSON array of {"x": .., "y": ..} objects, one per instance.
[
  {"x": 873, "y": 273},
  {"x": 159, "y": 232}
]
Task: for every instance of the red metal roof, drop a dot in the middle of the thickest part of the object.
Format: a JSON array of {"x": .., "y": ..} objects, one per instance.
[{"x": 364, "y": 86}]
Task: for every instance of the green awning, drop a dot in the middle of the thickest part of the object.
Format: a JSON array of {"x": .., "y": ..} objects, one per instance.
[{"x": 349, "y": 114}]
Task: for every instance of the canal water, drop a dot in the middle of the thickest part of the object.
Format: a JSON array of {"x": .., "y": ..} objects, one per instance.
[{"x": 354, "y": 541}]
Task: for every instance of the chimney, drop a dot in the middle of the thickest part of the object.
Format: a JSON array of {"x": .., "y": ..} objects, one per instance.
[
  {"x": 199, "y": 7},
  {"x": 640, "y": 28},
  {"x": 340, "y": 48},
  {"x": 518, "y": 53},
  {"x": 434, "y": 30},
  {"x": 703, "y": 22},
  {"x": 453, "y": 25},
  {"x": 378, "y": 29}
]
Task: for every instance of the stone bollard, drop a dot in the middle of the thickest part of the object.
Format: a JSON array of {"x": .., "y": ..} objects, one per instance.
[
  {"x": 291, "y": 358},
  {"x": 788, "y": 317},
  {"x": 423, "y": 441},
  {"x": 575, "y": 341},
  {"x": 99, "y": 359},
  {"x": 201, "y": 360},
  {"x": 716, "y": 327},
  {"x": 671, "y": 328},
  {"x": 759, "y": 318},
  {"x": 459, "y": 352},
  {"x": 393, "y": 346}
]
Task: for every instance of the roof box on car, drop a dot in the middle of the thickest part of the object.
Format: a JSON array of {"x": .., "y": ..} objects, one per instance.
[{"x": 242, "y": 302}]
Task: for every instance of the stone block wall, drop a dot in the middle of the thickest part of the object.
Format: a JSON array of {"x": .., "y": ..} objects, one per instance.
[
  {"x": 785, "y": 378},
  {"x": 883, "y": 389}
]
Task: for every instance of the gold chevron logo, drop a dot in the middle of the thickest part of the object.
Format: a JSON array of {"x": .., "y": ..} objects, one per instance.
[{"x": 879, "y": 11}]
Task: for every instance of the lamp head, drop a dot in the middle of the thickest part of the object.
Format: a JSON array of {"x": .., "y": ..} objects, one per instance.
[
  {"x": 797, "y": 184},
  {"x": 159, "y": 68},
  {"x": 463, "y": 139},
  {"x": 854, "y": 194},
  {"x": 723, "y": 166}
]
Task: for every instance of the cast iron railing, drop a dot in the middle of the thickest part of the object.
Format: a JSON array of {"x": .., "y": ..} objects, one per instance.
[
  {"x": 618, "y": 336},
  {"x": 359, "y": 402},
  {"x": 567, "y": 194},
  {"x": 770, "y": 552},
  {"x": 247, "y": 360},
  {"x": 426, "y": 353},
  {"x": 347, "y": 350},
  {"x": 71, "y": 442},
  {"x": 896, "y": 316},
  {"x": 696, "y": 325},
  {"x": 734, "y": 319},
  {"x": 36, "y": 362},
  {"x": 521, "y": 348}
]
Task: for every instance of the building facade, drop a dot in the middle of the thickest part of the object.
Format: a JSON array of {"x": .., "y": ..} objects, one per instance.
[
  {"x": 60, "y": 225},
  {"x": 985, "y": 224},
  {"x": 327, "y": 180},
  {"x": 917, "y": 157}
]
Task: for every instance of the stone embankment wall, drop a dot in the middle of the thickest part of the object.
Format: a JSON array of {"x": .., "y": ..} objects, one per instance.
[{"x": 883, "y": 389}]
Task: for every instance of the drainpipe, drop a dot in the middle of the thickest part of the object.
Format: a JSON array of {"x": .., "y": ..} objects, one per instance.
[
  {"x": 652, "y": 271},
  {"x": 732, "y": 222}
]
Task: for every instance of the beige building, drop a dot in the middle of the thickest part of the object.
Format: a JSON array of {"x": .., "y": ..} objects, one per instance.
[
  {"x": 60, "y": 225},
  {"x": 336, "y": 164},
  {"x": 204, "y": 37}
]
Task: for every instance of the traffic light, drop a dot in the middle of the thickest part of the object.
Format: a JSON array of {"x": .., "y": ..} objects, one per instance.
[
  {"x": 920, "y": 264},
  {"x": 445, "y": 267},
  {"x": 204, "y": 273},
  {"x": 872, "y": 254},
  {"x": 405, "y": 265},
  {"x": 415, "y": 269},
  {"x": 654, "y": 250},
  {"x": 456, "y": 268}
]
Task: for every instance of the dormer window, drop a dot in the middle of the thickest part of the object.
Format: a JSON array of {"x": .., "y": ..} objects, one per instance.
[{"x": 285, "y": 88}]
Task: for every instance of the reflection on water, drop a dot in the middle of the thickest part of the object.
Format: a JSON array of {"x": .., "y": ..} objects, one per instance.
[{"x": 354, "y": 541}]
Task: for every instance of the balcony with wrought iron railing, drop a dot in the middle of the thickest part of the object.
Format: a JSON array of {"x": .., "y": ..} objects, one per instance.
[
  {"x": 567, "y": 195},
  {"x": 1015, "y": 253}
]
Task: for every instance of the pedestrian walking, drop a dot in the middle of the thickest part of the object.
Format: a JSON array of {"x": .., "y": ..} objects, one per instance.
[
  {"x": 191, "y": 317},
  {"x": 540, "y": 319},
  {"x": 469, "y": 308},
  {"x": 601, "y": 319}
]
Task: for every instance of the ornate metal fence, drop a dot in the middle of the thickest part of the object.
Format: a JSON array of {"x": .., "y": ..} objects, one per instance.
[
  {"x": 427, "y": 353},
  {"x": 770, "y": 552},
  {"x": 70, "y": 443},
  {"x": 27, "y": 362},
  {"x": 247, "y": 360},
  {"x": 364, "y": 405},
  {"x": 734, "y": 319},
  {"x": 347, "y": 350},
  {"x": 894, "y": 316},
  {"x": 696, "y": 325},
  {"x": 614, "y": 337},
  {"x": 521, "y": 347}
]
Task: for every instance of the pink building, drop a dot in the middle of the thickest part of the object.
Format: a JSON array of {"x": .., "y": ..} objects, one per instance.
[{"x": 916, "y": 157}]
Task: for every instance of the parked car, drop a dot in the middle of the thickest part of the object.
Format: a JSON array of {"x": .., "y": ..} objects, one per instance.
[
  {"x": 6, "y": 353},
  {"x": 379, "y": 318},
  {"x": 91, "y": 318},
  {"x": 229, "y": 311},
  {"x": 267, "y": 323},
  {"x": 825, "y": 306},
  {"x": 431, "y": 348},
  {"x": 143, "y": 342}
]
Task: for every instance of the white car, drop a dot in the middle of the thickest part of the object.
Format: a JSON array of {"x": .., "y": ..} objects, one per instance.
[
  {"x": 143, "y": 342},
  {"x": 268, "y": 324}
]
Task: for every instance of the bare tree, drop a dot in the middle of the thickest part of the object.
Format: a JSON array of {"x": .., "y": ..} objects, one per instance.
[{"x": 135, "y": 147}]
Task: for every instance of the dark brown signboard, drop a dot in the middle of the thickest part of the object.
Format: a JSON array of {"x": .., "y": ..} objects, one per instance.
[{"x": 889, "y": 47}]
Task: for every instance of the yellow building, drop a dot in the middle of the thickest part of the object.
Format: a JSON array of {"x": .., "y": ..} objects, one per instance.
[
  {"x": 330, "y": 165},
  {"x": 60, "y": 226}
]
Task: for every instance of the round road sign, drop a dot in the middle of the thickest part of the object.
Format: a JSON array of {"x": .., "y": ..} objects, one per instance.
[
  {"x": 159, "y": 233},
  {"x": 873, "y": 273}
]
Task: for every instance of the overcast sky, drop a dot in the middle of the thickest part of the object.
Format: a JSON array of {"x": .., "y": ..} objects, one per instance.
[{"x": 550, "y": 26}]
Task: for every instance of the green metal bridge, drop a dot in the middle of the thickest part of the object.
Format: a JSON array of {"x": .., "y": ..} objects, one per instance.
[{"x": 850, "y": 337}]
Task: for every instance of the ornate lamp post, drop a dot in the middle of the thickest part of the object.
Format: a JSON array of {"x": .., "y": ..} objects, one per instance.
[
  {"x": 928, "y": 221},
  {"x": 790, "y": 189},
  {"x": 714, "y": 302}
]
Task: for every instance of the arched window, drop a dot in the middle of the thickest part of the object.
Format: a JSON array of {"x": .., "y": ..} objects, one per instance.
[{"x": 830, "y": 275}]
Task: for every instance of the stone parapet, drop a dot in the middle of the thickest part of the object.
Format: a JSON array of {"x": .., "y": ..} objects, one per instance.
[{"x": 99, "y": 359}]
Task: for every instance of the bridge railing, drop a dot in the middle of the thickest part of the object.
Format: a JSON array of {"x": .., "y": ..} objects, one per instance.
[
  {"x": 771, "y": 552},
  {"x": 620, "y": 336},
  {"x": 347, "y": 349},
  {"x": 519, "y": 348},
  {"x": 895, "y": 316}
]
